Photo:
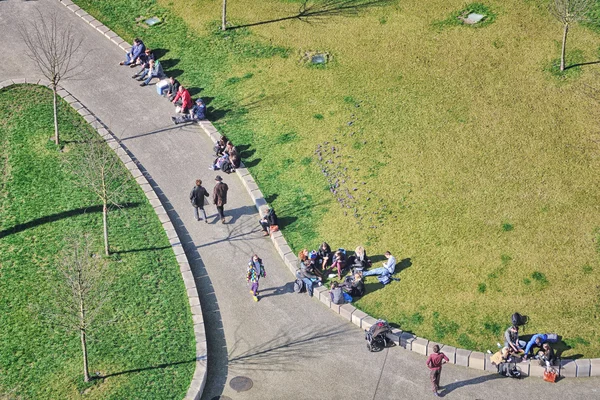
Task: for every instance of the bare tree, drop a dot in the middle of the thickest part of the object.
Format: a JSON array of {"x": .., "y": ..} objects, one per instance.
[
  {"x": 569, "y": 12},
  {"x": 224, "y": 16},
  {"x": 81, "y": 292},
  {"x": 99, "y": 170},
  {"x": 53, "y": 47}
]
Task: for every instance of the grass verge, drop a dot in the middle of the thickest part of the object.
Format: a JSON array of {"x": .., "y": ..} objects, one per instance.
[{"x": 148, "y": 350}]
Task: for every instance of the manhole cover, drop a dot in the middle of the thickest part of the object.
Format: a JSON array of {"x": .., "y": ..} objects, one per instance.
[
  {"x": 241, "y": 383},
  {"x": 221, "y": 398}
]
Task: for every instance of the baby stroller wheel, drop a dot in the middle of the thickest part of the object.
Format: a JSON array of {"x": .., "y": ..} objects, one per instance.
[{"x": 369, "y": 347}]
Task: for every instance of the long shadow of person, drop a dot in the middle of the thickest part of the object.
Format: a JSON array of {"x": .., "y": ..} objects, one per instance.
[
  {"x": 278, "y": 290},
  {"x": 444, "y": 390}
]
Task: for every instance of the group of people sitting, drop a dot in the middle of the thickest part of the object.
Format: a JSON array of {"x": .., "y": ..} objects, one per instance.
[
  {"x": 228, "y": 158},
  {"x": 515, "y": 347},
  {"x": 150, "y": 68},
  {"x": 316, "y": 265}
]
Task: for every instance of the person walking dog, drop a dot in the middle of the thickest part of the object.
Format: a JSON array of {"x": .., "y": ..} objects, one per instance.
[
  {"x": 434, "y": 363},
  {"x": 256, "y": 270},
  {"x": 220, "y": 196},
  {"x": 198, "y": 196}
]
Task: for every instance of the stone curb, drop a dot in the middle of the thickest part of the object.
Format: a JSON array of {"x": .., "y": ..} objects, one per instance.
[
  {"x": 199, "y": 378},
  {"x": 466, "y": 358}
]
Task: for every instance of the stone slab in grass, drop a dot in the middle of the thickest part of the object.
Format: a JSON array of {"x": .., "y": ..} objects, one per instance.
[
  {"x": 420, "y": 346},
  {"x": 595, "y": 367},
  {"x": 583, "y": 367},
  {"x": 477, "y": 360},
  {"x": 568, "y": 368},
  {"x": 346, "y": 311},
  {"x": 358, "y": 316},
  {"x": 462, "y": 357}
]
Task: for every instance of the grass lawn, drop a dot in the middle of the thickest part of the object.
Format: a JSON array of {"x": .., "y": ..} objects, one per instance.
[
  {"x": 459, "y": 148},
  {"x": 148, "y": 351}
]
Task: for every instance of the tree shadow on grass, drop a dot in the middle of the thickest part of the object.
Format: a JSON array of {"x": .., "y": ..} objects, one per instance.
[
  {"x": 321, "y": 11},
  {"x": 55, "y": 217},
  {"x": 159, "y": 366}
]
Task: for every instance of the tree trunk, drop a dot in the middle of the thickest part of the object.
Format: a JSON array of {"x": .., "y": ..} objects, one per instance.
[
  {"x": 55, "y": 102},
  {"x": 564, "y": 48},
  {"x": 105, "y": 223},
  {"x": 86, "y": 372},
  {"x": 224, "y": 16}
]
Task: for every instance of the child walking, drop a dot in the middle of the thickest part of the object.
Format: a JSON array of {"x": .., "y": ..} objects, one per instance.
[{"x": 256, "y": 270}]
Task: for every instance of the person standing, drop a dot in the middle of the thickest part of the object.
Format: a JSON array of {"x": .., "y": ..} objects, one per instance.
[
  {"x": 220, "y": 196},
  {"x": 198, "y": 196},
  {"x": 434, "y": 363},
  {"x": 256, "y": 270}
]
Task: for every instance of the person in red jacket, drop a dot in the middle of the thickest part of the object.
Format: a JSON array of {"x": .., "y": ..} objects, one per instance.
[
  {"x": 434, "y": 363},
  {"x": 183, "y": 100}
]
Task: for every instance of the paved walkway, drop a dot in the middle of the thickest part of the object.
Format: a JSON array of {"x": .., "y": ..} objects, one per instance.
[{"x": 292, "y": 347}]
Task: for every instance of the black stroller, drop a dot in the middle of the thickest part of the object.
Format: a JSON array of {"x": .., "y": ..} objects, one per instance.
[{"x": 376, "y": 336}]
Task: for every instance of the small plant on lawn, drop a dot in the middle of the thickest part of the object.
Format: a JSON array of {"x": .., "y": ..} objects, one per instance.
[{"x": 569, "y": 12}]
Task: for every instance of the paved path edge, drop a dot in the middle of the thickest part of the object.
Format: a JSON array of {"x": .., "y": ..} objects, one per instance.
[
  {"x": 580, "y": 368},
  {"x": 199, "y": 378}
]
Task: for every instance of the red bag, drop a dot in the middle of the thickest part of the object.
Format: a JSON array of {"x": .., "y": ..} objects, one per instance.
[
  {"x": 550, "y": 375},
  {"x": 274, "y": 228}
]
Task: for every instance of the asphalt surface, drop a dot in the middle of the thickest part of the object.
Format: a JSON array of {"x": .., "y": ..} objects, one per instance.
[{"x": 290, "y": 346}]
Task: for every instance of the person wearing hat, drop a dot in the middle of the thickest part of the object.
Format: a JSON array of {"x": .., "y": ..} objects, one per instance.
[
  {"x": 197, "y": 113},
  {"x": 220, "y": 196}
]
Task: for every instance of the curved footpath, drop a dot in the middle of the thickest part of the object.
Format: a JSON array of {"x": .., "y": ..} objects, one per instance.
[{"x": 291, "y": 346}]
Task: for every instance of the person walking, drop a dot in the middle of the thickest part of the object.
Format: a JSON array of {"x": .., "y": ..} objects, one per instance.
[
  {"x": 220, "y": 196},
  {"x": 256, "y": 270},
  {"x": 198, "y": 196},
  {"x": 434, "y": 363}
]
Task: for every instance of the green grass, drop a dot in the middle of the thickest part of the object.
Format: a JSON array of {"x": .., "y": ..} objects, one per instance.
[
  {"x": 461, "y": 143},
  {"x": 149, "y": 346}
]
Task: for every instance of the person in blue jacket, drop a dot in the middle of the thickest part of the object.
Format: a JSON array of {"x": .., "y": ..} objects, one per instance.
[
  {"x": 538, "y": 340},
  {"x": 136, "y": 50},
  {"x": 197, "y": 113}
]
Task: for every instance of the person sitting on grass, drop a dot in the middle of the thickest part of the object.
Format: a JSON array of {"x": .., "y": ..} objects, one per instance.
[
  {"x": 388, "y": 267},
  {"x": 182, "y": 100},
  {"x": 359, "y": 260},
  {"x": 501, "y": 356},
  {"x": 354, "y": 285},
  {"x": 306, "y": 274},
  {"x": 196, "y": 114},
  {"x": 338, "y": 296},
  {"x": 270, "y": 219},
  {"x": 338, "y": 263},
  {"x": 132, "y": 55},
  {"x": 511, "y": 340},
  {"x": 324, "y": 255}
]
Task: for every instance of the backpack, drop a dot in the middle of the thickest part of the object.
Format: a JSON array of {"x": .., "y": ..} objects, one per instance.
[
  {"x": 299, "y": 286},
  {"x": 384, "y": 279},
  {"x": 519, "y": 320},
  {"x": 227, "y": 167}
]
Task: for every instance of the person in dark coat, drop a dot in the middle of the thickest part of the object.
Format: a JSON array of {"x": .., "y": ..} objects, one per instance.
[
  {"x": 268, "y": 221},
  {"x": 220, "y": 196},
  {"x": 197, "y": 197},
  {"x": 172, "y": 88}
]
